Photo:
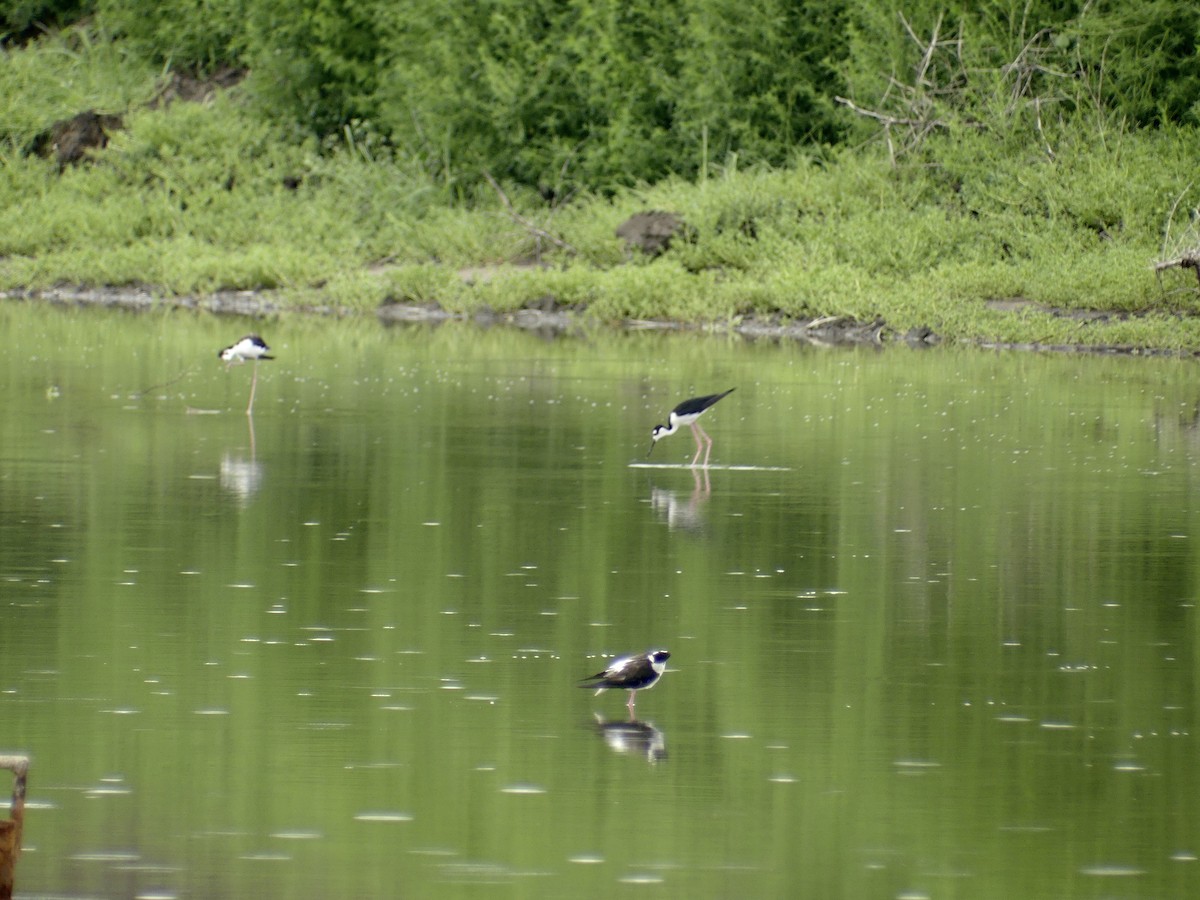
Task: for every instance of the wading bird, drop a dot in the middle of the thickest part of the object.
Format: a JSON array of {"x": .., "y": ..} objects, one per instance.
[
  {"x": 250, "y": 347},
  {"x": 686, "y": 413},
  {"x": 630, "y": 673}
]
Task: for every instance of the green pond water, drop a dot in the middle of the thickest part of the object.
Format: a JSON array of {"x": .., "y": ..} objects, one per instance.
[{"x": 932, "y": 616}]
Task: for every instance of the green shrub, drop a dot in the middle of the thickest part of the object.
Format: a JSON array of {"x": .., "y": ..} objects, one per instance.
[
  {"x": 22, "y": 20},
  {"x": 606, "y": 94},
  {"x": 197, "y": 36}
]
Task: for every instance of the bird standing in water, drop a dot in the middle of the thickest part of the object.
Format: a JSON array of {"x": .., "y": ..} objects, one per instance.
[
  {"x": 686, "y": 413},
  {"x": 630, "y": 673},
  {"x": 250, "y": 347}
]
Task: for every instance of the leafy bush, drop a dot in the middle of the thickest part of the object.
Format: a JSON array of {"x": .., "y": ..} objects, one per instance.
[
  {"x": 1024, "y": 70},
  {"x": 603, "y": 94},
  {"x": 21, "y": 20},
  {"x": 196, "y": 36}
]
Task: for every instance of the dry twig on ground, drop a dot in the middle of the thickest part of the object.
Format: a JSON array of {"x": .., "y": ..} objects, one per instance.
[{"x": 539, "y": 234}]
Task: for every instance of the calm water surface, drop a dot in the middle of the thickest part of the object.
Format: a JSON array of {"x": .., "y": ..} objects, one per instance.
[{"x": 932, "y": 616}]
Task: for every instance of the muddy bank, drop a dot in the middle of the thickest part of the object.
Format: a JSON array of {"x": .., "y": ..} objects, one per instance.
[
  {"x": 552, "y": 321},
  {"x": 546, "y": 318}
]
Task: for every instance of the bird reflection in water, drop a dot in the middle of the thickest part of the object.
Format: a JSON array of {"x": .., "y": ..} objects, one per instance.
[
  {"x": 683, "y": 514},
  {"x": 240, "y": 476},
  {"x": 633, "y": 738}
]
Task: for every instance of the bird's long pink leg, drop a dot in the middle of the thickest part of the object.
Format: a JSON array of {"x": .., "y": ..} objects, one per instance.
[
  {"x": 708, "y": 449},
  {"x": 629, "y": 705},
  {"x": 696, "y": 432}
]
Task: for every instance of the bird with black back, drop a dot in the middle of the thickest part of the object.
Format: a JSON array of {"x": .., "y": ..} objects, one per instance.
[
  {"x": 687, "y": 413},
  {"x": 633, "y": 673}
]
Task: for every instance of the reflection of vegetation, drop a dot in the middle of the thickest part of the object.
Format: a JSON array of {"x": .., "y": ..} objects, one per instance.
[{"x": 960, "y": 538}]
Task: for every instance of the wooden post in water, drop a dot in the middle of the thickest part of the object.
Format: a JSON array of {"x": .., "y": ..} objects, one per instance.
[{"x": 10, "y": 829}]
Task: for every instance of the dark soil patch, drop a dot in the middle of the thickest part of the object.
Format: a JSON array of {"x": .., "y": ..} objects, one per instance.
[
  {"x": 651, "y": 232},
  {"x": 70, "y": 141}
]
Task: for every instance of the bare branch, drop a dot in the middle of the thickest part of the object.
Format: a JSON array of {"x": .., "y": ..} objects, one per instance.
[
  {"x": 539, "y": 233},
  {"x": 1189, "y": 260},
  {"x": 907, "y": 111},
  {"x": 886, "y": 119},
  {"x": 1171, "y": 216},
  {"x": 927, "y": 57}
]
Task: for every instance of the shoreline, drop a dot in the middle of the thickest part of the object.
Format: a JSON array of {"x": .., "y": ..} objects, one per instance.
[{"x": 827, "y": 331}]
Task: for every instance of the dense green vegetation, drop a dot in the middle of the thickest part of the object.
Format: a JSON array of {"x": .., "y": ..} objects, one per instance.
[{"x": 831, "y": 158}]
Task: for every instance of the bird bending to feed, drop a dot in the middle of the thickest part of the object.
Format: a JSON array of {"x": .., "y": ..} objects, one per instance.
[
  {"x": 686, "y": 413},
  {"x": 250, "y": 347},
  {"x": 630, "y": 673}
]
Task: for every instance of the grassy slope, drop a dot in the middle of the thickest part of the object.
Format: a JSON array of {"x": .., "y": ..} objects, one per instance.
[{"x": 192, "y": 198}]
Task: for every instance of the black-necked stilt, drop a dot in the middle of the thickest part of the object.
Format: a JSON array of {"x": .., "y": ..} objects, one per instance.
[
  {"x": 630, "y": 673},
  {"x": 686, "y": 413},
  {"x": 251, "y": 347}
]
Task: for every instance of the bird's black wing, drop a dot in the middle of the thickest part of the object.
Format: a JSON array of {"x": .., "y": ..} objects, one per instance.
[
  {"x": 700, "y": 404},
  {"x": 626, "y": 670}
]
